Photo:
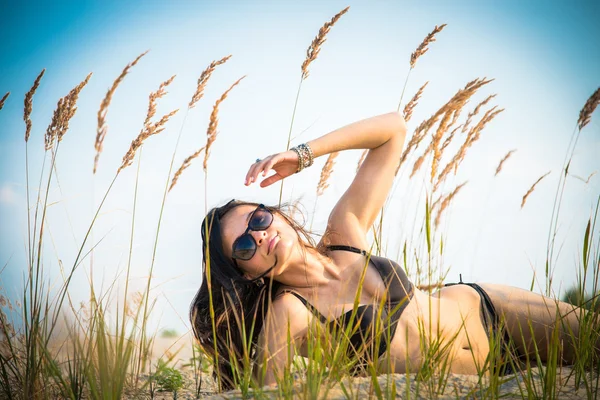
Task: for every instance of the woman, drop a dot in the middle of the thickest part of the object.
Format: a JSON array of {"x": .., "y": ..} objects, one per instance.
[{"x": 271, "y": 283}]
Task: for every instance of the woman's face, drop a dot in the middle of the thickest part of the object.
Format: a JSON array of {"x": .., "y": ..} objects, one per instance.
[{"x": 274, "y": 246}]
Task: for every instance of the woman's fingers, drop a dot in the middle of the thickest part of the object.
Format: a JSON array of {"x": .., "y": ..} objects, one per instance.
[
  {"x": 247, "y": 181},
  {"x": 269, "y": 165},
  {"x": 270, "y": 180},
  {"x": 250, "y": 176},
  {"x": 260, "y": 166}
]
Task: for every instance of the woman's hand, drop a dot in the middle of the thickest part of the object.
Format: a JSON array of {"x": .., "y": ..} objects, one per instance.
[{"x": 284, "y": 164}]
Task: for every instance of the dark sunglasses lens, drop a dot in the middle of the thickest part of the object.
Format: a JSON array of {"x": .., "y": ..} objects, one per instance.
[
  {"x": 261, "y": 220},
  {"x": 244, "y": 248}
]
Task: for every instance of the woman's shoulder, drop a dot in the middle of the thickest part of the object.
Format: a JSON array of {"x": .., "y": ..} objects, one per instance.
[
  {"x": 347, "y": 234},
  {"x": 287, "y": 300},
  {"x": 288, "y": 312}
]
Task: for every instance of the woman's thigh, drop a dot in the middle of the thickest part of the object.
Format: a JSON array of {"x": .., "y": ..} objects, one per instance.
[{"x": 532, "y": 318}]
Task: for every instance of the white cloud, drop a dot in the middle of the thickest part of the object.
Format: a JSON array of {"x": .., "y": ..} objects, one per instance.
[{"x": 7, "y": 194}]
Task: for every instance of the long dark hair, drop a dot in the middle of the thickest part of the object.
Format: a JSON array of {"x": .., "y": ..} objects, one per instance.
[{"x": 239, "y": 304}]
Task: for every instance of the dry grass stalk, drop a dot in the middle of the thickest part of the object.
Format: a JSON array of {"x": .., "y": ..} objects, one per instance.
[
  {"x": 503, "y": 160},
  {"x": 408, "y": 109},
  {"x": 434, "y": 145},
  {"x": 446, "y": 201},
  {"x": 102, "y": 127},
  {"x": 460, "y": 100},
  {"x": 28, "y": 104},
  {"x": 450, "y": 137},
  {"x": 3, "y": 100},
  {"x": 585, "y": 115},
  {"x": 466, "y": 123},
  {"x": 413, "y": 143},
  {"x": 150, "y": 128},
  {"x": 435, "y": 203},
  {"x": 186, "y": 163},
  {"x": 532, "y": 188},
  {"x": 475, "y": 132},
  {"x": 437, "y": 138},
  {"x": 455, "y": 116},
  {"x": 431, "y": 287},
  {"x": 472, "y": 136},
  {"x": 451, "y": 108},
  {"x": 422, "y": 49},
  {"x": 213, "y": 123},
  {"x": 65, "y": 110},
  {"x": 475, "y": 112},
  {"x": 315, "y": 46},
  {"x": 203, "y": 80},
  {"x": 362, "y": 159},
  {"x": 326, "y": 173},
  {"x": 417, "y": 165},
  {"x": 586, "y": 181}
]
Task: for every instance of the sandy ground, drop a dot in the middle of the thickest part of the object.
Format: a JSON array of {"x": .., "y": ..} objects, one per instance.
[
  {"x": 406, "y": 386},
  {"x": 396, "y": 385}
]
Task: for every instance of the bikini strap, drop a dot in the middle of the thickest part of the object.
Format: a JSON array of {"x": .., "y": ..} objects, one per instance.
[
  {"x": 310, "y": 307},
  {"x": 347, "y": 248}
]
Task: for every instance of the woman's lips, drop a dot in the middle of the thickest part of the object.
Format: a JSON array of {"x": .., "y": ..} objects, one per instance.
[{"x": 272, "y": 244}]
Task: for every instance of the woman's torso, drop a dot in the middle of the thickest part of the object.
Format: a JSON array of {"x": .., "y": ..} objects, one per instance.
[{"x": 451, "y": 316}]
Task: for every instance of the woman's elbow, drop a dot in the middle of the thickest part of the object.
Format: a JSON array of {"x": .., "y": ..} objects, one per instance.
[
  {"x": 397, "y": 125},
  {"x": 397, "y": 129},
  {"x": 400, "y": 123}
]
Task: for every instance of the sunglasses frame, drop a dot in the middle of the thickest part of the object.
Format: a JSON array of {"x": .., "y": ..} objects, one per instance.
[{"x": 260, "y": 207}]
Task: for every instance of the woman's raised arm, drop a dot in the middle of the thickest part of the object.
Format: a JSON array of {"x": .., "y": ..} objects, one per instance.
[
  {"x": 358, "y": 207},
  {"x": 384, "y": 136}
]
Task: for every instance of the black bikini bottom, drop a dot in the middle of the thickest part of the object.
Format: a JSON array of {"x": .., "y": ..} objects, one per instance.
[{"x": 491, "y": 323}]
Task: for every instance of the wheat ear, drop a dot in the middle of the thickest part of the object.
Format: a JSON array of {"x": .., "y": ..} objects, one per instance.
[
  {"x": 475, "y": 112},
  {"x": 186, "y": 163},
  {"x": 326, "y": 173},
  {"x": 451, "y": 108},
  {"x": 203, "y": 80},
  {"x": 446, "y": 201},
  {"x": 501, "y": 164},
  {"x": 65, "y": 110},
  {"x": 102, "y": 128},
  {"x": 450, "y": 137},
  {"x": 211, "y": 132},
  {"x": 149, "y": 128},
  {"x": 422, "y": 49},
  {"x": 437, "y": 138},
  {"x": 585, "y": 115},
  {"x": 28, "y": 104},
  {"x": 408, "y": 109},
  {"x": 532, "y": 188},
  {"x": 3, "y": 99},
  {"x": 472, "y": 136},
  {"x": 315, "y": 47}
]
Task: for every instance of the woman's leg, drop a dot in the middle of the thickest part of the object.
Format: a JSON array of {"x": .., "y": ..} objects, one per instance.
[{"x": 532, "y": 318}]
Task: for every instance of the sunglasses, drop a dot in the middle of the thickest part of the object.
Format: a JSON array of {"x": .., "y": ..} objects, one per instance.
[{"x": 245, "y": 246}]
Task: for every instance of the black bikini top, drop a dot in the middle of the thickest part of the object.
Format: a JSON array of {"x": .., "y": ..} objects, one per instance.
[{"x": 400, "y": 291}]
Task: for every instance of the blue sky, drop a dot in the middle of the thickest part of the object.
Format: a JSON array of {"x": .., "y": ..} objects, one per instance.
[{"x": 543, "y": 55}]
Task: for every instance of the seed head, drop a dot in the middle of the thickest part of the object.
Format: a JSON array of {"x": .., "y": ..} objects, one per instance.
[
  {"x": 315, "y": 46},
  {"x": 203, "y": 80},
  {"x": 102, "y": 127}
]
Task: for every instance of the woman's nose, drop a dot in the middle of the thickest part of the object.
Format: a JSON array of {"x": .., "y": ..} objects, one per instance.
[{"x": 259, "y": 236}]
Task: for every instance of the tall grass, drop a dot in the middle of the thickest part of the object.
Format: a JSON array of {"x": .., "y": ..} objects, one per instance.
[{"x": 51, "y": 348}]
